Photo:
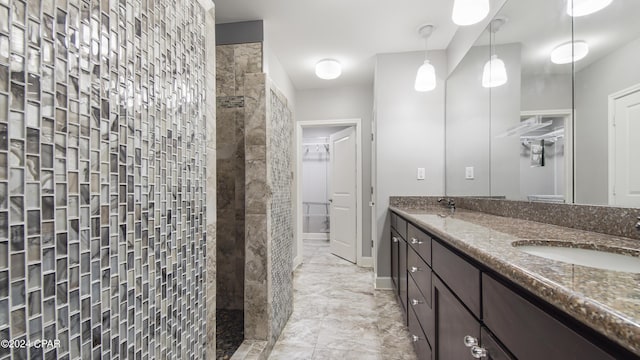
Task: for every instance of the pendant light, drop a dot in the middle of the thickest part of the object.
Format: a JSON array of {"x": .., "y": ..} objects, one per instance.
[
  {"x": 494, "y": 73},
  {"x": 426, "y": 76},
  {"x": 577, "y": 8},
  {"x": 570, "y": 51},
  {"x": 469, "y": 12}
]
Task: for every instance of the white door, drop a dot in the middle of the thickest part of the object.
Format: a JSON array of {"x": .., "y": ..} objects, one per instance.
[
  {"x": 342, "y": 194},
  {"x": 626, "y": 147}
]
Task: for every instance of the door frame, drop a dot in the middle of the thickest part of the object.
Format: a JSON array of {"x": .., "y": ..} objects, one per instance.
[
  {"x": 569, "y": 148},
  {"x": 612, "y": 137},
  {"x": 300, "y": 125}
]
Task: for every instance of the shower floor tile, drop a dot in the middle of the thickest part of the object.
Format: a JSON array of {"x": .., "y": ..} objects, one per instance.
[{"x": 229, "y": 332}]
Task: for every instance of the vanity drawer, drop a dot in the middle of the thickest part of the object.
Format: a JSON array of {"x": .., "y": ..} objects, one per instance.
[
  {"x": 459, "y": 275},
  {"x": 528, "y": 331},
  {"x": 401, "y": 227},
  {"x": 394, "y": 221},
  {"x": 423, "y": 310},
  {"x": 420, "y": 242},
  {"x": 420, "y": 272},
  {"x": 419, "y": 340}
]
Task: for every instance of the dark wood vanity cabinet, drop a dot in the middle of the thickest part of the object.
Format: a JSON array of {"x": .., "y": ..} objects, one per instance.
[
  {"x": 456, "y": 308},
  {"x": 453, "y": 323}
]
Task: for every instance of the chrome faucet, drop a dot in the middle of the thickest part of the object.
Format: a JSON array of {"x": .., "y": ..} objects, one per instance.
[{"x": 451, "y": 204}]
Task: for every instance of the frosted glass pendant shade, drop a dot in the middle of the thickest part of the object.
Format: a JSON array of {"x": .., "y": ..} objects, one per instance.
[
  {"x": 328, "y": 69},
  {"x": 563, "y": 54},
  {"x": 494, "y": 73},
  {"x": 577, "y": 8},
  {"x": 426, "y": 77},
  {"x": 469, "y": 12}
]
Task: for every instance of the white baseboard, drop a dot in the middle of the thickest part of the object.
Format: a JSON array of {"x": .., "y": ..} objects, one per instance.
[
  {"x": 384, "y": 283},
  {"x": 316, "y": 236},
  {"x": 366, "y": 262},
  {"x": 297, "y": 261}
]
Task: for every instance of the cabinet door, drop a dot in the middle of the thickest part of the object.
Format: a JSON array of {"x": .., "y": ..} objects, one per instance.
[
  {"x": 529, "y": 332},
  {"x": 419, "y": 339},
  {"x": 395, "y": 249},
  {"x": 493, "y": 348},
  {"x": 402, "y": 275},
  {"x": 453, "y": 323}
]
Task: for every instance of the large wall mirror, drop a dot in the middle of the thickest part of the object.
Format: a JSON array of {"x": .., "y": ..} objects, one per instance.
[{"x": 530, "y": 107}]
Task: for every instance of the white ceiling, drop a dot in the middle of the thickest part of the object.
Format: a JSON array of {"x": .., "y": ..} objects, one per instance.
[{"x": 302, "y": 32}]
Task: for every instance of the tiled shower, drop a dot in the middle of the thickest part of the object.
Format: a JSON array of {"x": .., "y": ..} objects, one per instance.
[{"x": 103, "y": 178}]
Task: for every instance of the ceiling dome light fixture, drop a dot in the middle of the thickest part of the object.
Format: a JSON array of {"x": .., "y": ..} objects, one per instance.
[
  {"x": 577, "y": 8},
  {"x": 494, "y": 73},
  {"x": 565, "y": 53},
  {"x": 469, "y": 12},
  {"x": 328, "y": 69},
  {"x": 426, "y": 76}
]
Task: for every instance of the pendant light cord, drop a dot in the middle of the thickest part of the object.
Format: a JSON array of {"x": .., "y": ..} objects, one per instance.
[{"x": 426, "y": 48}]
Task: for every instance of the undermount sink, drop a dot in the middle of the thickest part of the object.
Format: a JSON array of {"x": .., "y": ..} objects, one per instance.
[{"x": 583, "y": 255}]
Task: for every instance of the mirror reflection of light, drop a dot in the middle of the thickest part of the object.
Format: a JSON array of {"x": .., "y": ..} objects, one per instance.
[
  {"x": 494, "y": 73},
  {"x": 564, "y": 54},
  {"x": 577, "y": 8},
  {"x": 469, "y": 12},
  {"x": 426, "y": 77}
]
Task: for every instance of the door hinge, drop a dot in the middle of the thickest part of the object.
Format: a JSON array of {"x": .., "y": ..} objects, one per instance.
[
  {"x": 371, "y": 136},
  {"x": 371, "y": 243}
]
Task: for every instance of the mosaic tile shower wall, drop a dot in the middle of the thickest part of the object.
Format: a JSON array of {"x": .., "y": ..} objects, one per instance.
[
  {"x": 102, "y": 178},
  {"x": 233, "y": 63},
  {"x": 280, "y": 175}
]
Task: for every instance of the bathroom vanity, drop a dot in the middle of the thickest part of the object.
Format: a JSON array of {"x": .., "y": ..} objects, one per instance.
[{"x": 468, "y": 291}]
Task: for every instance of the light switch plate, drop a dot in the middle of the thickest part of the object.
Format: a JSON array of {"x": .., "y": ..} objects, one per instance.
[
  {"x": 468, "y": 173},
  {"x": 421, "y": 174}
]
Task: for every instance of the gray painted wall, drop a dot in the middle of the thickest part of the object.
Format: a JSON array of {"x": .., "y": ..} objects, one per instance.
[
  {"x": 409, "y": 129},
  {"x": 345, "y": 103},
  {"x": 551, "y": 92},
  {"x": 239, "y": 33},
  {"x": 593, "y": 85},
  {"x": 505, "y": 114},
  {"x": 467, "y": 126}
]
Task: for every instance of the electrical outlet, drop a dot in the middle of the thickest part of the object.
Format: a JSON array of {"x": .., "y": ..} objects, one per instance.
[
  {"x": 421, "y": 174},
  {"x": 468, "y": 173}
]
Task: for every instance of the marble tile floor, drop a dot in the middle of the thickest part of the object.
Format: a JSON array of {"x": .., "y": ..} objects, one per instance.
[{"x": 338, "y": 314}]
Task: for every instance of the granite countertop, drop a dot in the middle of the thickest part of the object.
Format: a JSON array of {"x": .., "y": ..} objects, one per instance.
[{"x": 607, "y": 301}]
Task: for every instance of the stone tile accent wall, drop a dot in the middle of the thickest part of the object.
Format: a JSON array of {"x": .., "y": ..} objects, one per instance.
[
  {"x": 211, "y": 196},
  {"x": 256, "y": 315},
  {"x": 234, "y": 62},
  {"x": 269, "y": 236},
  {"x": 102, "y": 178},
  {"x": 280, "y": 217}
]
